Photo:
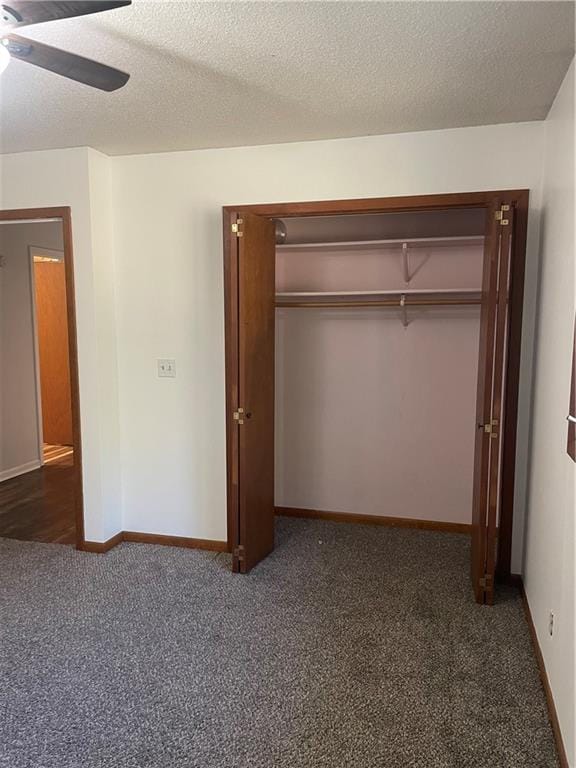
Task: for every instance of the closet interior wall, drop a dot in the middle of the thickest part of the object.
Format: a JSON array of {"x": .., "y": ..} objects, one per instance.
[{"x": 375, "y": 405}]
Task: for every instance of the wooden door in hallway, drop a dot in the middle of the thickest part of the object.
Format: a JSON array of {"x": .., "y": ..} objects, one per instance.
[{"x": 52, "y": 332}]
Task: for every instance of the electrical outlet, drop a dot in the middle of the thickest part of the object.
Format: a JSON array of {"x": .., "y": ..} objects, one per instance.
[
  {"x": 167, "y": 369},
  {"x": 551, "y": 623}
]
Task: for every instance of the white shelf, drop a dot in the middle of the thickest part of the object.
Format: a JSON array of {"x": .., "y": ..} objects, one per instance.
[{"x": 419, "y": 242}]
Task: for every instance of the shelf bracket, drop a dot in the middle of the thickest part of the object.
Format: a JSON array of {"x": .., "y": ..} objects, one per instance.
[
  {"x": 404, "y": 310},
  {"x": 407, "y": 276}
]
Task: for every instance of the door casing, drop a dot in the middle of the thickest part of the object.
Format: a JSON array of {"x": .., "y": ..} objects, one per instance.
[{"x": 518, "y": 198}]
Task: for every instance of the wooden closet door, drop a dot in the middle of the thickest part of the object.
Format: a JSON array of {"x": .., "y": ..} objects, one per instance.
[
  {"x": 490, "y": 398},
  {"x": 255, "y": 412},
  {"x": 52, "y": 330}
]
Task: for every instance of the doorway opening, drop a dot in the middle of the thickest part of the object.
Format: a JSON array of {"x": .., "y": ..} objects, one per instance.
[
  {"x": 377, "y": 331},
  {"x": 380, "y": 340},
  {"x": 40, "y": 460}
]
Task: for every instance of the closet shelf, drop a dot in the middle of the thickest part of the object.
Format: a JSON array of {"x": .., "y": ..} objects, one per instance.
[{"x": 418, "y": 242}]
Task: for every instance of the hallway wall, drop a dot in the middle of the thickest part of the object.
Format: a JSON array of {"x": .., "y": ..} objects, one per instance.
[{"x": 19, "y": 434}]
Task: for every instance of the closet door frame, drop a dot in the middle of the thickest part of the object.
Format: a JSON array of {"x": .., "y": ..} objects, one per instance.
[{"x": 518, "y": 198}]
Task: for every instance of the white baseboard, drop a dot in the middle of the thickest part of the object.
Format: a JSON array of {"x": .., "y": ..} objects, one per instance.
[{"x": 7, "y": 474}]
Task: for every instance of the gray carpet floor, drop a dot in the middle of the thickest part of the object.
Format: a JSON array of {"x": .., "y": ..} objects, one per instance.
[{"x": 349, "y": 647}]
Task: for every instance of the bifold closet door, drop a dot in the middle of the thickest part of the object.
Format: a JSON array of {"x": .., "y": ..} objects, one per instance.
[
  {"x": 254, "y": 410},
  {"x": 490, "y": 398}
]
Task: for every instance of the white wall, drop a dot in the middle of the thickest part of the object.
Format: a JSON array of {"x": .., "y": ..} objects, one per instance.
[
  {"x": 106, "y": 378},
  {"x": 19, "y": 418},
  {"x": 155, "y": 460},
  {"x": 374, "y": 418},
  {"x": 168, "y": 243},
  {"x": 75, "y": 177},
  {"x": 549, "y": 562}
]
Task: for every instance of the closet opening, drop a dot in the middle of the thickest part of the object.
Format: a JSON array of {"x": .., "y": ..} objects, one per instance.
[{"x": 372, "y": 353}]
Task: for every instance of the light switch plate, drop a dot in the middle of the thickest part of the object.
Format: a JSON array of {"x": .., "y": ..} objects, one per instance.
[{"x": 167, "y": 369}]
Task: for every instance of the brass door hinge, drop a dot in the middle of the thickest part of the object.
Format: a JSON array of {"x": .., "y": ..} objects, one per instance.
[
  {"x": 237, "y": 227},
  {"x": 486, "y": 580},
  {"x": 239, "y": 552},
  {"x": 239, "y": 415},
  {"x": 499, "y": 215},
  {"x": 492, "y": 428}
]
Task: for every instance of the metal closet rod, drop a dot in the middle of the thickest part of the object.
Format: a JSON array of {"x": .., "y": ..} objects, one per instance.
[
  {"x": 368, "y": 292},
  {"x": 401, "y": 241},
  {"x": 448, "y": 302}
]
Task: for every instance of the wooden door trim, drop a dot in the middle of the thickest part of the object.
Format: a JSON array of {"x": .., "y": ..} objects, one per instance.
[
  {"x": 518, "y": 198},
  {"x": 65, "y": 215}
]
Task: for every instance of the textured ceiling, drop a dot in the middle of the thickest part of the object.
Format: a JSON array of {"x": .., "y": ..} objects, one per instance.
[{"x": 213, "y": 74}]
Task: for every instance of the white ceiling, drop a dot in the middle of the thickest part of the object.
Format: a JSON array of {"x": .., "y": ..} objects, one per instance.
[{"x": 214, "y": 74}]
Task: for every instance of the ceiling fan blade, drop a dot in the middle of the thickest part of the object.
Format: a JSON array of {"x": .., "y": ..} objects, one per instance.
[
  {"x": 18, "y": 13},
  {"x": 64, "y": 63}
]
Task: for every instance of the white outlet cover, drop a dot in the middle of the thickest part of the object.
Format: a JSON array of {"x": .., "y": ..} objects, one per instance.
[{"x": 166, "y": 368}]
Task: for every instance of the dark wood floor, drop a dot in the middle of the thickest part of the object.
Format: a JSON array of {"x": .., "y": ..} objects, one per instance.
[{"x": 39, "y": 506}]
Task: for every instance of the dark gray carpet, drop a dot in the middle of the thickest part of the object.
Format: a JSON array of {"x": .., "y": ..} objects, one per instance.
[{"x": 350, "y": 647}]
